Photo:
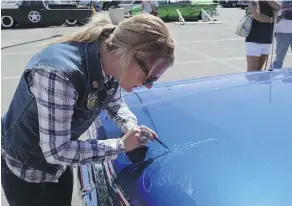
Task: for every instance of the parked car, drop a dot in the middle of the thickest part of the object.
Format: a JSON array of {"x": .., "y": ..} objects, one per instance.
[
  {"x": 128, "y": 5},
  {"x": 243, "y": 4},
  {"x": 230, "y": 143},
  {"x": 226, "y": 3},
  {"x": 190, "y": 10},
  {"x": 96, "y": 4},
  {"x": 109, "y": 4},
  {"x": 43, "y": 13}
]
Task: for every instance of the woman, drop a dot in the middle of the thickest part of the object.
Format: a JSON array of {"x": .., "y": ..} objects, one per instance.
[
  {"x": 149, "y": 7},
  {"x": 259, "y": 40},
  {"x": 62, "y": 91}
]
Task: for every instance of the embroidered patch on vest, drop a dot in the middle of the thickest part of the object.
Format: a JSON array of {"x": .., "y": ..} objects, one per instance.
[{"x": 92, "y": 100}]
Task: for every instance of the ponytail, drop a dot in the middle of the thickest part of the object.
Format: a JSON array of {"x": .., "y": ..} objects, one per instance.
[{"x": 99, "y": 27}]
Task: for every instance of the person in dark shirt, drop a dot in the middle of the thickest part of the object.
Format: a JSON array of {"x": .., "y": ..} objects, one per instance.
[{"x": 259, "y": 40}]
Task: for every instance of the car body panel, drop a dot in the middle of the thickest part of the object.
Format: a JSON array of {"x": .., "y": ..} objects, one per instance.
[
  {"x": 230, "y": 139},
  {"x": 189, "y": 10}
]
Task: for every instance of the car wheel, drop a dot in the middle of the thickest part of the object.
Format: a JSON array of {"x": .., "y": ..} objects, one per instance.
[
  {"x": 71, "y": 22},
  {"x": 82, "y": 22},
  {"x": 7, "y": 21}
]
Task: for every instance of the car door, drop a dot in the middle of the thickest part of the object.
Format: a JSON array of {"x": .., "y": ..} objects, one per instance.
[{"x": 35, "y": 13}]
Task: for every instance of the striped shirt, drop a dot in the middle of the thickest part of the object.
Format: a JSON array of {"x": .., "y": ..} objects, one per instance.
[{"x": 55, "y": 97}]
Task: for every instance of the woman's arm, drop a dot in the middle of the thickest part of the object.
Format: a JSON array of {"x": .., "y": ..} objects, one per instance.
[
  {"x": 55, "y": 97},
  {"x": 274, "y": 4},
  {"x": 257, "y": 15},
  {"x": 119, "y": 112}
]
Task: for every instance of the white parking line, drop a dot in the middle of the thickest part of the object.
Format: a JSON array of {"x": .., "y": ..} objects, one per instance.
[
  {"x": 208, "y": 59},
  {"x": 210, "y": 40},
  {"x": 216, "y": 60},
  {"x": 192, "y": 29},
  {"x": 211, "y": 58},
  {"x": 10, "y": 78},
  {"x": 185, "y": 42}
]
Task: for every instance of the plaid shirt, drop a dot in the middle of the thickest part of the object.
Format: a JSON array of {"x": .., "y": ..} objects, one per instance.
[{"x": 52, "y": 88}]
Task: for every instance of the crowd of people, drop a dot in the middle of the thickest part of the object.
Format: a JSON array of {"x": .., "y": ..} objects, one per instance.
[{"x": 272, "y": 25}]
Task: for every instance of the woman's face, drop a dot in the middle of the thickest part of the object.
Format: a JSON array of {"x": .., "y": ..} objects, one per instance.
[{"x": 140, "y": 73}]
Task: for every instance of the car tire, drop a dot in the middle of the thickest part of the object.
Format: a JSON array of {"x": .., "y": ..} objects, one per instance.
[
  {"x": 82, "y": 22},
  {"x": 71, "y": 22},
  {"x": 7, "y": 21},
  {"x": 234, "y": 5}
]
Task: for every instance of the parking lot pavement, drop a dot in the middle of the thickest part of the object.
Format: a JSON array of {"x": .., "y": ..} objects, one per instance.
[{"x": 202, "y": 50}]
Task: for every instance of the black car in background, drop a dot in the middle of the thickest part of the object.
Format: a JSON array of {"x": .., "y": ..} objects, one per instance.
[
  {"x": 243, "y": 4},
  {"x": 106, "y": 5},
  {"x": 226, "y": 3},
  {"x": 43, "y": 13}
]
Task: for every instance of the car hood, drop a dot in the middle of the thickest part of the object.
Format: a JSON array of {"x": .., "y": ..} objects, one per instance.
[{"x": 230, "y": 139}]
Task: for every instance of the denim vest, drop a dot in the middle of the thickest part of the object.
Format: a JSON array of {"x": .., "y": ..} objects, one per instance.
[{"x": 80, "y": 63}]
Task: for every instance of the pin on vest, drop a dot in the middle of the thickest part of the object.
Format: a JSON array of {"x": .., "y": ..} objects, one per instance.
[{"x": 91, "y": 100}]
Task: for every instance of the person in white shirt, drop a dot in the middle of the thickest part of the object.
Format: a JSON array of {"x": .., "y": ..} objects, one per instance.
[
  {"x": 149, "y": 6},
  {"x": 283, "y": 33}
]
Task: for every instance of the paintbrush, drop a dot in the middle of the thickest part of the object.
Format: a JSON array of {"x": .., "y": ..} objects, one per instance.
[
  {"x": 160, "y": 142},
  {"x": 146, "y": 133}
]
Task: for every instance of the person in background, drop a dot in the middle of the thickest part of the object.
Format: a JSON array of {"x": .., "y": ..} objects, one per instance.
[
  {"x": 259, "y": 40},
  {"x": 149, "y": 7},
  {"x": 63, "y": 89},
  {"x": 283, "y": 34}
]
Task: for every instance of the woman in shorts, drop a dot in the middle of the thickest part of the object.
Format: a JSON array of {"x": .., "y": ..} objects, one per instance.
[{"x": 259, "y": 41}]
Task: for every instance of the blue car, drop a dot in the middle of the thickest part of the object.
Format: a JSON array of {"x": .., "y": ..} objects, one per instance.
[{"x": 230, "y": 143}]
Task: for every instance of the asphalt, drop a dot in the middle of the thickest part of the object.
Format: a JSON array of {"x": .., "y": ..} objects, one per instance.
[{"x": 201, "y": 50}]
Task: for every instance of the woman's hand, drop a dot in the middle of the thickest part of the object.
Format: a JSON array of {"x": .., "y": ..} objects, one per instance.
[
  {"x": 138, "y": 136},
  {"x": 153, "y": 135}
]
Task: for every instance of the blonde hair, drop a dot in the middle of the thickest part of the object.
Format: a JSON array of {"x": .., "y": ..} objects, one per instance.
[{"x": 143, "y": 36}]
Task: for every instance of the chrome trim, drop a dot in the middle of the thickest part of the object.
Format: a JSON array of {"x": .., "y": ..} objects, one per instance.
[{"x": 91, "y": 179}]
